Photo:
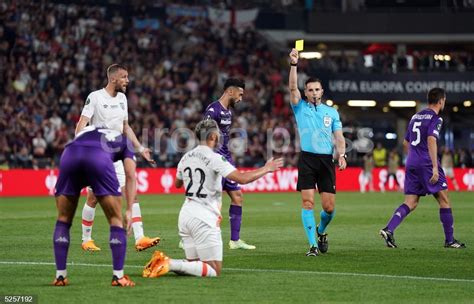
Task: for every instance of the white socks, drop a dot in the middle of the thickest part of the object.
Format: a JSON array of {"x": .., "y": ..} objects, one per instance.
[
  {"x": 118, "y": 273},
  {"x": 137, "y": 224},
  {"x": 61, "y": 273},
  {"x": 194, "y": 268},
  {"x": 88, "y": 214}
]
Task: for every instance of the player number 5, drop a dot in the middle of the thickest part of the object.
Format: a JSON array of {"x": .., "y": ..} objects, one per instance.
[{"x": 416, "y": 129}]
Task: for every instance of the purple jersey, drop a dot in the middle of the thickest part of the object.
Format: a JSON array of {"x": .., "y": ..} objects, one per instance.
[
  {"x": 223, "y": 117},
  {"x": 423, "y": 124},
  {"x": 88, "y": 161}
]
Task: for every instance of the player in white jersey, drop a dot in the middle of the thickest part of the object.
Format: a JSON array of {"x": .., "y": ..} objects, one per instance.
[
  {"x": 108, "y": 108},
  {"x": 200, "y": 171}
]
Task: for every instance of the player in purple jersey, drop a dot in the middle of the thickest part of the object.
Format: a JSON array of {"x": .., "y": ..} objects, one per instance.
[
  {"x": 220, "y": 111},
  {"x": 424, "y": 174},
  {"x": 89, "y": 161}
]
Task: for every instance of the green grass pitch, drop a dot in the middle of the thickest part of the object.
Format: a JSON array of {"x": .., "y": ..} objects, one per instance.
[{"x": 357, "y": 268}]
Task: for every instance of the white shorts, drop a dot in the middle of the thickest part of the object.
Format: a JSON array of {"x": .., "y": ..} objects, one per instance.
[
  {"x": 200, "y": 241},
  {"x": 448, "y": 172},
  {"x": 120, "y": 171}
]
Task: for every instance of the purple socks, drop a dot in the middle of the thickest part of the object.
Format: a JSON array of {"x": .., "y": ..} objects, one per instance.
[
  {"x": 118, "y": 245},
  {"x": 398, "y": 217},
  {"x": 446, "y": 217},
  {"x": 235, "y": 215},
  {"x": 61, "y": 244}
]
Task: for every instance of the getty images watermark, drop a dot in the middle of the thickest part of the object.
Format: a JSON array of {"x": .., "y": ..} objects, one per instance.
[{"x": 277, "y": 141}]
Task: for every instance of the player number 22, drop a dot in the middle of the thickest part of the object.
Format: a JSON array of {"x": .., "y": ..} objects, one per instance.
[
  {"x": 416, "y": 129},
  {"x": 201, "y": 182}
]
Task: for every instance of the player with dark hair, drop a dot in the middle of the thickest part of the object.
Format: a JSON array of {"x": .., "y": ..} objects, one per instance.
[
  {"x": 317, "y": 124},
  {"x": 423, "y": 172},
  {"x": 200, "y": 171},
  {"x": 108, "y": 107},
  {"x": 220, "y": 111},
  {"x": 88, "y": 161}
]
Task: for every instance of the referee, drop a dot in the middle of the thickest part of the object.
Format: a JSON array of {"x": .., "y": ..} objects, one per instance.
[{"x": 316, "y": 123}]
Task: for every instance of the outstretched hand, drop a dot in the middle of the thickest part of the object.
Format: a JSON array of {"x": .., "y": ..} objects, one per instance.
[
  {"x": 274, "y": 164},
  {"x": 146, "y": 154}
]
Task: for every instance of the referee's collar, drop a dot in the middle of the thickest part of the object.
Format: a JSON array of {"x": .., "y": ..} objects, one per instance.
[{"x": 315, "y": 105}]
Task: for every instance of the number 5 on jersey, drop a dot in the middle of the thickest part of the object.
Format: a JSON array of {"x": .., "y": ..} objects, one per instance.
[{"x": 416, "y": 129}]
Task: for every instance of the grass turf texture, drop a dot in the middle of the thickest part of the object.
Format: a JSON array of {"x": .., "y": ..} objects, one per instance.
[{"x": 277, "y": 271}]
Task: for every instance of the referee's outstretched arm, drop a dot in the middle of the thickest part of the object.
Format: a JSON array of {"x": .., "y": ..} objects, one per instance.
[{"x": 295, "y": 94}]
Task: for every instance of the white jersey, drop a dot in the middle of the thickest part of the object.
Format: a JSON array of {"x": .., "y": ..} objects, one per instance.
[
  {"x": 201, "y": 170},
  {"x": 105, "y": 110}
]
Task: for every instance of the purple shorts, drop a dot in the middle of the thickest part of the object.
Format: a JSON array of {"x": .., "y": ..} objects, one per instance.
[
  {"x": 417, "y": 181},
  {"x": 82, "y": 166},
  {"x": 227, "y": 184}
]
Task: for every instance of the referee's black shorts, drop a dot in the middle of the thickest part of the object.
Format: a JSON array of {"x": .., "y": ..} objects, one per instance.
[{"x": 316, "y": 169}]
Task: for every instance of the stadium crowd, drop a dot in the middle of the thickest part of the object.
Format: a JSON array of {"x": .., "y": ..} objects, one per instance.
[{"x": 52, "y": 56}]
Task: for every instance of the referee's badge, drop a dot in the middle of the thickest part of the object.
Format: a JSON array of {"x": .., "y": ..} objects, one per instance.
[{"x": 327, "y": 121}]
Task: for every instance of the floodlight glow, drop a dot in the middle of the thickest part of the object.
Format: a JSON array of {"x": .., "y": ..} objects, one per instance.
[
  {"x": 402, "y": 103},
  {"x": 361, "y": 103},
  {"x": 467, "y": 103},
  {"x": 311, "y": 55}
]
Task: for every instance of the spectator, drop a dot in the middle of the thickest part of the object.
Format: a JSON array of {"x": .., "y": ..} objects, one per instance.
[
  {"x": 447, "y": 163},
  {"x": 465, "y": 159},
  {"x": 23, "y": 159},
  {"x": 393, "y": 165},
  {"x": 366, "y": 177},
  {"x": 380, "y": 155}
]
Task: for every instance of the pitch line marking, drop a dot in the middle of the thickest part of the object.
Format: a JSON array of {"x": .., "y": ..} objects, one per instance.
[{"x": 347, "y": 274}]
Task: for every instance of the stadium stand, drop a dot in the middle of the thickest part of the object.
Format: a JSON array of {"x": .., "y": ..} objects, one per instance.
[{"x": 52, "y": 55}]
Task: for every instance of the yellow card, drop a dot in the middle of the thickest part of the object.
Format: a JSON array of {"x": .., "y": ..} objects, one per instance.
[{"x": 299, "y": 45}]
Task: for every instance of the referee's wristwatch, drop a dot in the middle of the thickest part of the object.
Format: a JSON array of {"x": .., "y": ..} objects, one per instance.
[{"x": 343, "y": 155}]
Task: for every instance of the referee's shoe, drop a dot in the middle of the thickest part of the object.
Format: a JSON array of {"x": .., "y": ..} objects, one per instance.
[
  {"x": 322, "y": 241},
  {"x": 313, "y": 251}
]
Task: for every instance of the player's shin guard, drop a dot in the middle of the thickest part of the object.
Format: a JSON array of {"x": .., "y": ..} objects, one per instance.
[
  {"x": 309, "y": 224},
  {"x": 137, "y": 224},
  {"x": 325, "y": 220},
  {"x": 61, "y": 244},
  {"x": 194, "y": 268},
  {"x": 235, "y": 219},
  {"x": 446, "y": 217},
  {"x": 402, "y": 211},
  {"x": 118, "y": 245},
  {"x": 88, "y": 214}
]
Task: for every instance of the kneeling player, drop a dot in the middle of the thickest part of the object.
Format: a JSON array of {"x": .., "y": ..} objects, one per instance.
[
  {"x": 200, "y": 171},
  {"x": 88, "y": 160}
]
